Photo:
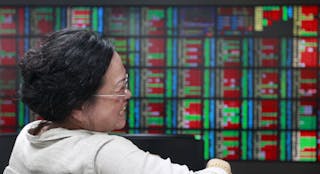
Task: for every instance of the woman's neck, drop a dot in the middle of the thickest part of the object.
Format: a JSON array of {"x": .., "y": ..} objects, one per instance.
[{"x": 45, "y": 125}]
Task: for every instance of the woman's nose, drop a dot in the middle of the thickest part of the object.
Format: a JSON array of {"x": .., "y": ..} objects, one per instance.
[{"x": 128, "y": 94}]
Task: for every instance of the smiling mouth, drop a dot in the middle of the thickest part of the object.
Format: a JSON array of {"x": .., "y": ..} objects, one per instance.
[{"x": 123, "y": 109}]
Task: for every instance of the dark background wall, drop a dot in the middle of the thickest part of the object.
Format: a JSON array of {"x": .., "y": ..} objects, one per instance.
[{"x": 185, "y": 149}]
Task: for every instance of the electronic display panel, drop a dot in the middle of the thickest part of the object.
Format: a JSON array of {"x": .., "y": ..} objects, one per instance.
[{"x": 242, "y": 78}]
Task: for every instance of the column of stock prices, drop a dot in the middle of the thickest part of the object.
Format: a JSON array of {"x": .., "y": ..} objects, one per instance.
[{"x": 244, "y": 78}]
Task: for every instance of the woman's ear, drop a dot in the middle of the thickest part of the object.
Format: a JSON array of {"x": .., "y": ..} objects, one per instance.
[{"x": 78, "y": 117}]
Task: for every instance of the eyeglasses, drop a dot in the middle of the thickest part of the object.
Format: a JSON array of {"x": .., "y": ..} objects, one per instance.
[{"x": 121, "y": 92}]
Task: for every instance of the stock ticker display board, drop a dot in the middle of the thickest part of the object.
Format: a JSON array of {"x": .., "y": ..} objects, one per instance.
[{"x": 243, "y": 79}]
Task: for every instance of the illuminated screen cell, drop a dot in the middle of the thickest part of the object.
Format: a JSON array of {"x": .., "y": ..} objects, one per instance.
[
  {"x": 266, "y": 145},
  {"x": 247, "y": 113},
  {"x": 227, "y": 145},
  {"x": 228, "y": 114},
  {"x": 266, "y": 15},
  {"x": 228, "y": 83},
  {"x": 171, "y": 113},
  {"x": 41, "y": 20},
  {"x": 8, "y": 17},
  {"x": 305, "y": 52},
  {"x": 80, "y": 17},
  {"x": 305, "y": 83},
  {"x": 266, "y": 83},
  {"x": 247, "y": 143},
  {"x": 8, "y": 51},
  {"x": 271, "y": 14},
  {"x": 152, "y": 115},
  {"x": 234, "y": 20},
  {"x": 318, "y": 142},
  {"x": 8, "y": 119},
  {"x": 266, "y": 114},
  {"x": 152, "y": 82},
  {"x": 306, "y": 21},
  {"x": 133, "y": 114},
  {"x": 117, "y": 21},
  {"x": 8, "y": 78},
  {"x": 190, "y": 83},
  {"x": 197, "y": 21},
  {"x": 153, "y": 22},
  {"x": 154, "y": 54},
  {"x": 274, "y": 20},
  {"x": 191, "y": 52},
  {"x": 190, "y": 113},
  {"x": 304, "y": 145},
  {"x": 121, "y": 45},
  {"x": 228, "y": 52},
  {"x": 318, "y": 87},
  {"x": 304, "y": 112},
  {"x": 267, "y": 52},
  {"x": 208, "y": 137}
]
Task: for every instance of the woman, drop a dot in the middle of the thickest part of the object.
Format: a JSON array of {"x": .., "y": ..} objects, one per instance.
[{"x": 78, "y": 84}]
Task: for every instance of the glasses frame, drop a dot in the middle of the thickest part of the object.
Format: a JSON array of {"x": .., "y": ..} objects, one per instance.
[{"x": 117, "y": 95}]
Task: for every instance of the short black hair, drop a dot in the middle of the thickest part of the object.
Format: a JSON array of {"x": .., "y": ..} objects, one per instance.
[{"x": 64, "y": 72}]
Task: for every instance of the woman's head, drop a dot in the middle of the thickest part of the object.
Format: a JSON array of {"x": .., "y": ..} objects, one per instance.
[
  {"x": 107, "y": 112},
  {"x": 65, "y": 72}
]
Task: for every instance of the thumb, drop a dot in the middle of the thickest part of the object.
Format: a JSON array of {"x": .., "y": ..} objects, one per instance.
[{"x": 219, "y": 163}]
